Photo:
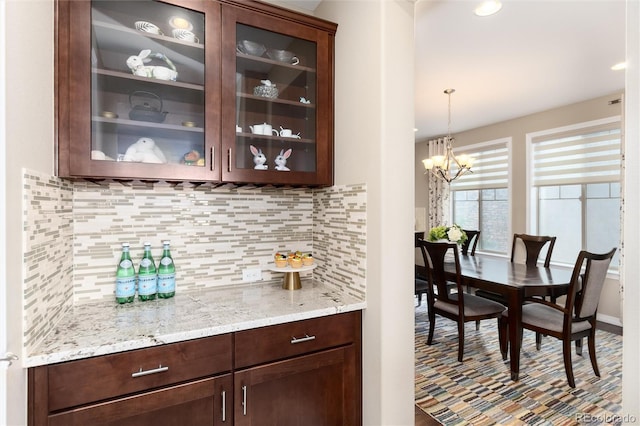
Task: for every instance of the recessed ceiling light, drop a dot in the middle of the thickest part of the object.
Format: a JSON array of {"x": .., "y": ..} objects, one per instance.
[
  {"x": 488, "y": 7},
  {"x": 619, "y": 66}
]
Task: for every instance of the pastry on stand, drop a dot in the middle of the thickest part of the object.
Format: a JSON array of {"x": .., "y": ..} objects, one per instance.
[{"x": 291, "y": 280}]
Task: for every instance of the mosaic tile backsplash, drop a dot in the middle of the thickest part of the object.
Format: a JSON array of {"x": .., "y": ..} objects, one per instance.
[{"x": 73, "y": 233}]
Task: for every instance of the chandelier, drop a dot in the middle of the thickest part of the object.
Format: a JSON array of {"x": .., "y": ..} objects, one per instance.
[{"x": 448, "y": 167}]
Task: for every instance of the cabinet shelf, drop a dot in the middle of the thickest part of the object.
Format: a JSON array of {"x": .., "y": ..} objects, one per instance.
[
  {"x": 123, "y": 123},
  {"x": 115, "y": 36},
  {"x": 250, "y": 62},
  {"x": 245, "y": 135},
  {"x": 167, "y": 83},
  {"x": 275, "y": 100}
]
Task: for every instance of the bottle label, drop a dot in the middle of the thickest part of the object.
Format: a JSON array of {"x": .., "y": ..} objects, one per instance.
[
  {"x": 125, "y": 287},
  {"x": 145, "y": 263},
  {"x": 166, "y": 261},
  {"x": 166, "y": 283},
  {"x": 147, "y": 285},
  {"x": 126, "y": 264}
]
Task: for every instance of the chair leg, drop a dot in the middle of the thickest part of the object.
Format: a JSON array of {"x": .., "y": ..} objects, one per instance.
[
  {"x": 460, "y": 340},
  {"x": 579, "y": 347},
  {"x": 538, "y": 340},
  {"x": 477, "y": 325},
  {"x": 432, "y": 326},
  {"x": 591, "y": 342},
  {"x": 566, "y": 352}
]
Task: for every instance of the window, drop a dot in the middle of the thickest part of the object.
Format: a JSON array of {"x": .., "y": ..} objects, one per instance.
[
  {"x": 480, "y": 200},
  {"x": 575, "y": 190}
]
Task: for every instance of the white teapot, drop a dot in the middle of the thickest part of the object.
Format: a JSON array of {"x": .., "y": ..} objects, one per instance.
[{"x": 263, "y": 129}]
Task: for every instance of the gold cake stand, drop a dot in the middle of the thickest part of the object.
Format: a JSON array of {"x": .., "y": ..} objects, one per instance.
[{"x": 291, "y": 280}]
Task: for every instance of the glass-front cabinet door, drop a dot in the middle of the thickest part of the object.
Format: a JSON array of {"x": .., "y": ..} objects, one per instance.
[
  {"x": 193, "y": 90},
  {"x": 143, "y": 76},
  {"x": 276, "y": 98}
]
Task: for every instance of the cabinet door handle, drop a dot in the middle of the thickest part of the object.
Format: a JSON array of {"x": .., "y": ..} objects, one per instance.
[
  {"x": 306, "y": 338},
  {"x": 224, "y": 406},
  {"x": 213, "y": 158},
  {"x": 244, "y": 400},
  {"x": 229, "y": 162},
  {"x": 141, "y": 373}
]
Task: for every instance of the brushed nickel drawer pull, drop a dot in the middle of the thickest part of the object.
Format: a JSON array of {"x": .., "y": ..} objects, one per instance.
[
  {"x": 244, "y": 400},
  {"x": 224, "y": 406},
  {"x": 141, "y": 373},
  {"x": 306, "y": 338}
]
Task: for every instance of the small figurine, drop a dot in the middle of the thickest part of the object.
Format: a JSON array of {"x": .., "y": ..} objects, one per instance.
[
  {"x": 258, "y": 158},
  {"x": 304, "y": 100},
  {"x": 136, "y": 64},
  {"x": 281, "y": 160},
  {"x": 144, "y": 150}
]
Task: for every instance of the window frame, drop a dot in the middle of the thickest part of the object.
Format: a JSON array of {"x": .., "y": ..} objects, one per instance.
[
  {"x": 505, "y": 142},
  {"x": 532, "y": 191}
]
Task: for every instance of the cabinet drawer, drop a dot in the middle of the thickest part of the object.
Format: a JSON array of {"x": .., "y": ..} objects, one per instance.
[
  {"x": 80, "y": 382},
  {"x": 286, "y": 340}
]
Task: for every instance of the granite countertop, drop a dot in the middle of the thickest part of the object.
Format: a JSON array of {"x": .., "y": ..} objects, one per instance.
[{"x": 101, "y": 328}]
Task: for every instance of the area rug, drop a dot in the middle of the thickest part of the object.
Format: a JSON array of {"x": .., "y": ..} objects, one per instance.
[{"x": 479, "y": 391}]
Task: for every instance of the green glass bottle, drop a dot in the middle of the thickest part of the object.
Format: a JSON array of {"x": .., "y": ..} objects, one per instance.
[
  {"x": 166, "y": 274},
  {"x": 125, "y": 277},
  {"x": 147, "y": 276}
]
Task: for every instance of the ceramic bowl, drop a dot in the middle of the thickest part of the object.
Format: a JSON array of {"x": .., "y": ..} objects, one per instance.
[
  {"x": 250, "y": 48},
  {"x": 280, "y": 55}
]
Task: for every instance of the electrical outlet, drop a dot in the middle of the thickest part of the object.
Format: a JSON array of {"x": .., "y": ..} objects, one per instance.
[{"x": 251, "y": 274}]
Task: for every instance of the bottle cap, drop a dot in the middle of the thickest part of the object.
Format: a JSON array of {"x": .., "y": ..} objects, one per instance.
[
  {"x": 146, "y": 243},
  {"x": 165, "y": 242},
  {"x": 125, "y": 244}
]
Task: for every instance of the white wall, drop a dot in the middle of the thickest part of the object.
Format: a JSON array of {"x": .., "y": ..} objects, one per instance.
[
  {"x": 374, "y": 145},
  {"x": 631, "y": 232},
  {"x": 30, "y": 143}
]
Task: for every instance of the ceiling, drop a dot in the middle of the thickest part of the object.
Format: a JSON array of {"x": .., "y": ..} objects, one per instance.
[{"x": 533, "y": 55}]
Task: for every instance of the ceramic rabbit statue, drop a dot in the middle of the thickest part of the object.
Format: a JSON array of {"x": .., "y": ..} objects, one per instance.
[
  {"x": 258, "y": 158},
  {"x": 281, "y": 160},
  {"x": 145, "y": 150},
  {"x": 136, "y": 64}
]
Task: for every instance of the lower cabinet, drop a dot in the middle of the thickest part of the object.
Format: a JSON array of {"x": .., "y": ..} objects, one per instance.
[
  {"x": 198, "y": 403},
  {"x": 309, "y": 390},
  {"x": 302, "y": 373}
]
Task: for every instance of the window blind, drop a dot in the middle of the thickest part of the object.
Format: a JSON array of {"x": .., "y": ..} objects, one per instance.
[
  {"x": 490, "y": 169},
  {"x": 587, "y": 155}
]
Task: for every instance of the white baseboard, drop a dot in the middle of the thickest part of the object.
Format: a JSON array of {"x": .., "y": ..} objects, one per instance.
[{"x": 610, "y": 320}]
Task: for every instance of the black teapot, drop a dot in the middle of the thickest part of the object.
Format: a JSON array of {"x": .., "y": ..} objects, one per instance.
[{"x": 146, "y": 106}]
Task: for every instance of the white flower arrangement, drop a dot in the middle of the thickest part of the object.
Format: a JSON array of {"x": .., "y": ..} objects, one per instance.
[{"x": 453, "y": 233}]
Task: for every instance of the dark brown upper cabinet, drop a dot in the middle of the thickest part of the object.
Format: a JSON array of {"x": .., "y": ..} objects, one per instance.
[{"x": 194, "y": 90}]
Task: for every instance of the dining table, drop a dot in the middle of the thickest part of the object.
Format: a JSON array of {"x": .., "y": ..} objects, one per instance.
[{"x": 514, "y": 281}]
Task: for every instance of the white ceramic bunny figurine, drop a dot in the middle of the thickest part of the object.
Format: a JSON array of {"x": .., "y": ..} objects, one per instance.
[
  {"x": 281, "y": 160},
  {"x": 145, "y": 150},
  {"x": 258, "y": 158},
  {"x": 137, "y": 65}
]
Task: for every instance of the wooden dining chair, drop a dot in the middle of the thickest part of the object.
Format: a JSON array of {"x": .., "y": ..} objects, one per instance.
[
  {"x": 533, "y": 245},
  {"x": 573, "y": 320},
  {"x": 472, "y": 242},
  {"x": 458, "y": 306}
]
